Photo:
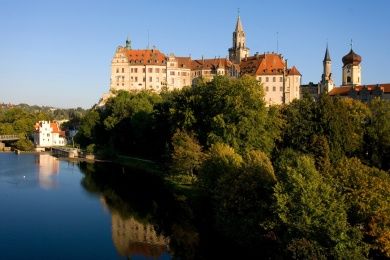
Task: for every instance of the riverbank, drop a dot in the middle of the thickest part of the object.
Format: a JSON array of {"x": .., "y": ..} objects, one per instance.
[{"x": 138, "y": 164}]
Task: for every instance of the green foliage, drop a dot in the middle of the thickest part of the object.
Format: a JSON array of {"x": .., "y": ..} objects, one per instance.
[
  {"x": 187, "y": 156},
  {"x": 243, "y": 197},
  {"x": 230, "y": 111},
  {"x": 24, "y": 144},
  {"x": 90, "y": 149},
  {"x": 314, "y": 212},
  {"x": 378, "y": 134},
  {"x": 220, "y": 160},
  {"x": 367, "y": 192},
  {"x": 341, "y": 121}
]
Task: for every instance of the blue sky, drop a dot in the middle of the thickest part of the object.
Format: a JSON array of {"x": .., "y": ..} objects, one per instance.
[{"x": 58, "y": 53}]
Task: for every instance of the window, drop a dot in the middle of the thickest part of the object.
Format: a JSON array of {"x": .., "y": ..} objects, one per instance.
[
  {"x": 172, "y": 81},
  {"x": 143, "y": 70},
  {"x": 274, "y": 88},
  {"x": 131, "y": 70},
  {"x": 178, "y": 73},
  {"x": 171, "y": 64},
  {"x": 281, "y": 88},
  {"x": 172, "y": 73},
  {"x": 150, "y": 79},
  {"x": 48, "y": 135},
  {"x": 274, "y": 79},
  {"x": 136, "y": 79},
  {"x": 266, "y": 79},
  {"x": 157, "y": 70},
  {"x": 150, "y": 70},
  {"x": 143, "y": 79},
  {"x": 266, "y": 88},
  {"x": 259, "y": 79},
  {"x": 281, "y": 79},
  {"x": 348, "y": 79},
  {"x": 123, "y": 78},
  {"x": 131, "y": 78},
  {"x": 123, "y": 70},
  {"x": 135, "y": 70},
  {"x": 157, "y": 79},
  {"x": 164, "y": 70}
]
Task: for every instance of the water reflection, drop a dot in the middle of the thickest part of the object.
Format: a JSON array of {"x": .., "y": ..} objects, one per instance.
[
  {"x": 132, "y": 237},
  {"x": 48, "y": 168}
]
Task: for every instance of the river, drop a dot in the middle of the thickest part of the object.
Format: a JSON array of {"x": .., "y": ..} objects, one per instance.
[{"x": 53, "y": 209}]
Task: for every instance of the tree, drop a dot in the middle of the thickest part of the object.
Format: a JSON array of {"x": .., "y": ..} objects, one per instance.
[
  {"x": 187, "y": 157},
  {"x": 378, "y": 134},
  {"x": 367, "y": 192},
  {"x": 220, "y": 160},
  {"x": 225, "y": 110},
  {"x": 243, "y": 200},
  {"x": 313, "y": 213}
]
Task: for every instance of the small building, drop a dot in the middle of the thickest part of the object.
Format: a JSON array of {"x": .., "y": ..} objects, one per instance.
[
  {"x": 363, "y": 93},
  {"x": 48, "y": 134}
]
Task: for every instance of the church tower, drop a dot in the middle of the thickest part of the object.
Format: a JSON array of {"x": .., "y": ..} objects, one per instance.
[
  {"x": 352, "y": 69},
  {"x": 326, "y": 83},
  {"x": 239, "y": 50}
]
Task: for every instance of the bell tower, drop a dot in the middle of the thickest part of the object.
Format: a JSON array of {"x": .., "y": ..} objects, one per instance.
[
  {"x": 352, "y": 69},
  {"x": 326, "y": 84},
  {"x": 239, "y": 50}
]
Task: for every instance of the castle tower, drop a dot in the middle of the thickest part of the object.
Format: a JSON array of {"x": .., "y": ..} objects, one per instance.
[
  {"x": 239, "y": 50},
  {"x": 352, "y": 69},
  {"x": 326, "y": 83}
]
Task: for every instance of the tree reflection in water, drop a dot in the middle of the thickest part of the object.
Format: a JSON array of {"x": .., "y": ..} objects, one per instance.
[{"x": 147, "y": 217}]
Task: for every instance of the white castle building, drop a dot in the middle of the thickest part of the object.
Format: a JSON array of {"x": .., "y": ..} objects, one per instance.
[
  {"x": 48, "y": 134},
  {"x": 150, "y": 69}
]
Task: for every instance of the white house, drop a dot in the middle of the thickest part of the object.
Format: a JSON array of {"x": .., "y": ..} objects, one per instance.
[{"x": 48, "y": 134}]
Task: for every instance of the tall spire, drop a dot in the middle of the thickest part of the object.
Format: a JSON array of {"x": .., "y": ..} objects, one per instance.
[
  {"x": 238, "y": 24},
  {"x": 327, "y": 56}
]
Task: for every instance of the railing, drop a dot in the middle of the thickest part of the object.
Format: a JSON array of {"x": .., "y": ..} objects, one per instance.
[{"x": 9, "y": 137}]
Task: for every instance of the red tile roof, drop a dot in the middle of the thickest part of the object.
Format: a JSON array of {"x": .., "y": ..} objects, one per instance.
[
  {"x": 184, "y": 62},
  {"x": 293, "y": 71},
  {"x": 144, "y": 57},
  {"x": 53, "y": 125},
  {"x": 344, "y": 90},
  {"x": 207, "y": 64},
  {"x": 265, "y": 64}
]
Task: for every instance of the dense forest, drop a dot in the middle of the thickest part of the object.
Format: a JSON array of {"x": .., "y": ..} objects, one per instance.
[
  {"x": 305, "y": 180},
  {"x": 20, "y": 119}
]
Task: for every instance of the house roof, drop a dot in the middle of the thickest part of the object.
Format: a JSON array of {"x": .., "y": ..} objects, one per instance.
[
  {"x": 184, "y": 62},
  {"x": 344, "y": 90},
  {"x": 293, "y": 71},
  {"x": 207, "y": 64},
  {"x": 53, "y": 125},
  {"x": 265, "y": 64},
  {"x": 144, "y": 57}
]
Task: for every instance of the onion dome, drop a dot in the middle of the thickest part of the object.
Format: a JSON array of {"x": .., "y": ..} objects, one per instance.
[{"x": 352, "y": 58}]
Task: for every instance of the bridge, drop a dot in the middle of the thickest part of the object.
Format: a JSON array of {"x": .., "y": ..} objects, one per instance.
[{"x": 9, "y": 137}]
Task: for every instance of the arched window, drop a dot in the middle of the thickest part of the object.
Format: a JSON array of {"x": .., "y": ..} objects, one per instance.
[{"x": 348, "y": 79}]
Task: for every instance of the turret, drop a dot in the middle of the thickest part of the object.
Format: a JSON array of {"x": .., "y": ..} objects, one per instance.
[
  {"x": 128, "y": 44},
  {"x": 352, "y": 68}
]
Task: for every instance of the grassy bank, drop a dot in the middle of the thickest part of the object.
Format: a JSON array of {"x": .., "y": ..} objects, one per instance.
[{"x": 139, "y": 164}]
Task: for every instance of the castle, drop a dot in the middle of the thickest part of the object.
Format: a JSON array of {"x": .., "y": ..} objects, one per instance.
[
  {"x": 150, "y": 69},
  {"x": 351, "y": 81}
]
